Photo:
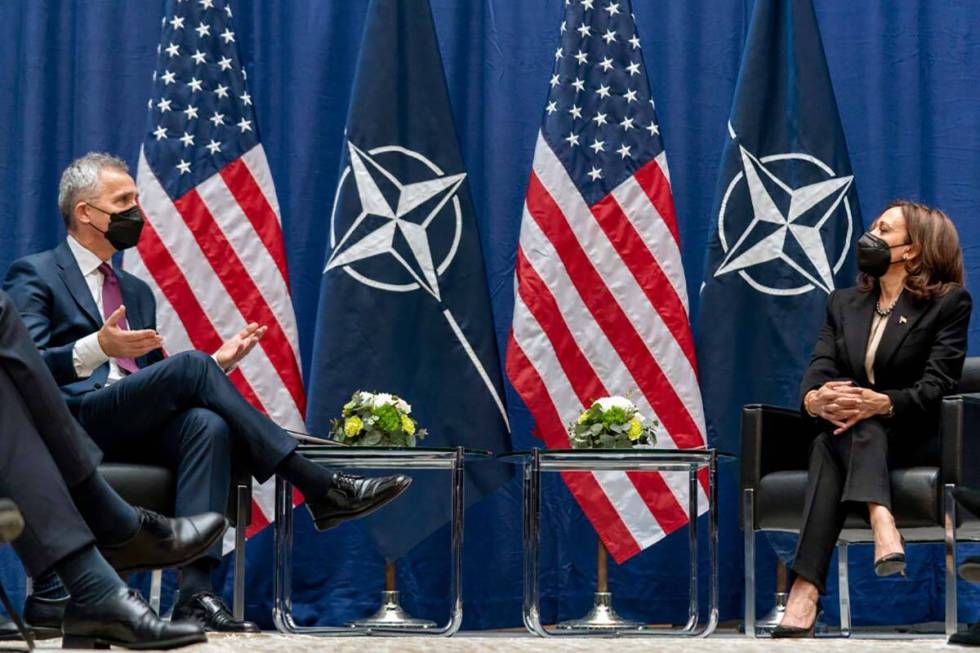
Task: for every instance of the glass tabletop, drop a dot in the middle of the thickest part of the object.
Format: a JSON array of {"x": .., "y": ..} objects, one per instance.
[
  {"x": 346, "y": 454},
  {"x": 640, "y": 456}
]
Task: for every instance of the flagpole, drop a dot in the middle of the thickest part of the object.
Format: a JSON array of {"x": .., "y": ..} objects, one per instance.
[
  {"x": 391, "y": 614},
  {"x": 601, "y": 616}
]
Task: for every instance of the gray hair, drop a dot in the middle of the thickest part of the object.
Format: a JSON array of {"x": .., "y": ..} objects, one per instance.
[{"x": 80, "y": 181}]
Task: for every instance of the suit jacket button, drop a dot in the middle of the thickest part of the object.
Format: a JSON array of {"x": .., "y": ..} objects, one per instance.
[{"x": 98, "y": 386}]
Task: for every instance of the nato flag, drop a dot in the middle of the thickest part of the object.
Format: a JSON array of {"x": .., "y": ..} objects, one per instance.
[
  {"x": 404, "y": 306},
  {"x": 785, "y": 222}
]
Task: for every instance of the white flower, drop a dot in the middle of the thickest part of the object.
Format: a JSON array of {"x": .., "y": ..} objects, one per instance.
[
  {"x": 403, "y": 407},
  {"x": 381, "y": 399},
  {"x": 616, "y": 402}
]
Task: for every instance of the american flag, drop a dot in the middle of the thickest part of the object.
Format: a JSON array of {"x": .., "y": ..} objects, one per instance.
[
  {"x": 212, "y": 249},
  {"x": 601, "y": 302}
]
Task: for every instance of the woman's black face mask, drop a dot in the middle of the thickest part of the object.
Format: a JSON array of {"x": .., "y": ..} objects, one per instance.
[{"x": 874, "y": 255}]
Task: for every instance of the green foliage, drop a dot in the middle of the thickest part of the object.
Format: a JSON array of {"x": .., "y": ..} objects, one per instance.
[{"x": 372, "y": 419}]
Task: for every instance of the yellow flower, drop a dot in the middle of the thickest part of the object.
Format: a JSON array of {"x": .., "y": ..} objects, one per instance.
[
  {"x": 408, "y": 425},
  {"x": 353, "y": 426},
  {"x": 636, "y": 429}
]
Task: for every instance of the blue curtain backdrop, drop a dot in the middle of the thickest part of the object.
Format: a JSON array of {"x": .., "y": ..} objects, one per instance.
[{"x": 75, "y": 77}]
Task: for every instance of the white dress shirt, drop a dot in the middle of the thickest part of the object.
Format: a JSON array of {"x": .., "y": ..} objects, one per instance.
[{"x": 87, "y": 354}]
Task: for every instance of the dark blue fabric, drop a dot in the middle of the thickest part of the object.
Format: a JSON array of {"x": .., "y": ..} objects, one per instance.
[
  {"x": 58, "y": 309},
  {"x": 906, "y": 76},
  {"x": 404, "y": 307},
  {"x": 761, "y": 306}
]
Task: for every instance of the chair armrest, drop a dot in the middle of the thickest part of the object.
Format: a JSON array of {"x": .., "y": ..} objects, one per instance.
[
  {"x": 960, "y": 439},
  {"x": 773, "y": 439}
]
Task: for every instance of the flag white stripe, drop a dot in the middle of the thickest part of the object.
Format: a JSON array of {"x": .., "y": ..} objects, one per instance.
[
  {"x": 654, "y": 231},
  {"x": 217, "y": 305},
  {"x": 589, "y": 338},
  {"x": 250, "y": 249},
  {"x": 617, "y": 486},
  {"x": 258, "y": 165},
  {"x": 619, "y": 281}
]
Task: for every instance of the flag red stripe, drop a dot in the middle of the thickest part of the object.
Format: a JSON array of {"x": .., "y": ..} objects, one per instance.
[
  {"x": 172, "y": 283},
  {"x": 588, "y": 387},
  {"x": 637, "y": 257},
  {"x": 595, "y": 504},
  {"x": 541, "y": 303},
  {"x": 242, "y": 291},
  {"x": 610, "y": 317},
  {"x": 256, "y": 207},
  {"x": 653, "y": 182},
  {"x": 259, "y": 521}
]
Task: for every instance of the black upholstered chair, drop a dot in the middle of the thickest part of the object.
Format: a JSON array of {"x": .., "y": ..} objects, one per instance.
[
  {"x": 775, "y": 455},
  {"x": 153, "y": 488}
]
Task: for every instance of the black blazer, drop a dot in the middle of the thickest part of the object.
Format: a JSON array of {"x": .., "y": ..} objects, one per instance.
[
  {"x": 58, "y": 309},
  {"x": 919, "y": 358}
]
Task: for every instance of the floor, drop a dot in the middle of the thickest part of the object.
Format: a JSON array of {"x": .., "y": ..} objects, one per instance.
[{"x": 518, "y": 642}]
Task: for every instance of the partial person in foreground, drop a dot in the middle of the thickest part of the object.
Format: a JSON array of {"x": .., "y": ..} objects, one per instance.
[
  {"x": 76, "y": 526},
  {"x": 889, "y": 350},
  {"x": 95, "y": 326}
]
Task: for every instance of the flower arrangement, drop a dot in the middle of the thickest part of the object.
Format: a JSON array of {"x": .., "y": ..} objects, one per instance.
[
  {"x": 612, "y": 423},
  {"x": 377, "y": 419}
]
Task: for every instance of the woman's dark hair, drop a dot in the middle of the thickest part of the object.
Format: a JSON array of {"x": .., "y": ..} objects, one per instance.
[{"x": 939, "y": 264}]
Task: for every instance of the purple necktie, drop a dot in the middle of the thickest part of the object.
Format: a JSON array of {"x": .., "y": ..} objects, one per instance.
[{"x": 111, "y": 300}]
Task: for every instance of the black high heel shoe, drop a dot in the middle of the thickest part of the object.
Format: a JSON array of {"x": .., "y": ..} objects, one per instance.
[
  {"x": 797, "y": 632},
  {"x": 891, "y": 564}
]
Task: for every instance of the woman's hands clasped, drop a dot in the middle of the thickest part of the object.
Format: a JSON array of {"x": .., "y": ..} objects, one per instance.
[{"x": 844, "y": 404}]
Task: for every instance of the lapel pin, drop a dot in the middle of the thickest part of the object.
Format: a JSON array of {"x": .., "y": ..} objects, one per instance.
[{"x": 902, "y": 319}]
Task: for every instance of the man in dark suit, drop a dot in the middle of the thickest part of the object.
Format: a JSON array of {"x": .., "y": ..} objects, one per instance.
[
  {"x": 95, "y": 326},
  {"x": 76, "y": 525}
]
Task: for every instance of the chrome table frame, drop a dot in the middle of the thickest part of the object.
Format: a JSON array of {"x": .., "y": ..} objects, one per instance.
[
  {"x": 537, "y": 461},
  {"x": 371, "y": 458}
]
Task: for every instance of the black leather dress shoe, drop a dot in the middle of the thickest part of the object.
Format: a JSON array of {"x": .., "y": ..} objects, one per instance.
[
  {"x": 969, "y": 638},
  {"x": 124, "y": 619},
  {"x": 164, "y": 542},
  {"x": 968, "y": 498},
  {"x": 353, "y": 496},
  {"x": 208, "y": 610},
  {"x": 44, "y": 616}
]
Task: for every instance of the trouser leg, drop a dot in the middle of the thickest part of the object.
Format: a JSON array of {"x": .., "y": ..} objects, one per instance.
[
  {"x": 823, "y": 513},
  {"x": 74, "y": 453},
  {"x": 29, "y": 475},
  {"x": 156, "y": 394},
  {"x": 197, "y": 443},
  {"x": 864, "y": 451}
]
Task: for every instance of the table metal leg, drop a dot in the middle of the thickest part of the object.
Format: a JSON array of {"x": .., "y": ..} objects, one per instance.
[
  {"x": 532, "y": 515},
  {"x": 713, "y": 544},
  {"x": 243, "y": 500},
  {"x": 843, "y": 589},
  {"x": 949, "y": 521},
  {"x": 692, "y": 525},
  {"x": 748, "y": 532}
]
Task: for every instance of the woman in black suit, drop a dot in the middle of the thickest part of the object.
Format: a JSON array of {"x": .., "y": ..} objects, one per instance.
[{"x": 889, "y": 350}]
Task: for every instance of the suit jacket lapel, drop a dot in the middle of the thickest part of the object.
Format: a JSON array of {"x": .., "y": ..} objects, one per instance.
[
  {"x": 903, "y": 317},
  {"x": 75, "y": 282},
  {"x": 857, "y": 326}
]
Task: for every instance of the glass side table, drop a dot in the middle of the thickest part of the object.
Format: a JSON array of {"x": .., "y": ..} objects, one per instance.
[
  {"x": 537, "y": 461},
  {"x": 387, "y": 458}
]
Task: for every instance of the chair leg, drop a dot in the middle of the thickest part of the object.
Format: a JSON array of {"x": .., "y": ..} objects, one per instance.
[
  {"x": 156, "y": 584},
  {"x": 748, "y": 529},
  {"x": 949, "y": 521},
  {"x": 21, "y": 628},
  {"x": 243, "y": 507},
  {"x": 843, "y": 589}
]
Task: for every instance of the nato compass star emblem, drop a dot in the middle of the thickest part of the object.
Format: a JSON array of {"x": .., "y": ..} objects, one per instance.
[
  {"x": 787, "y": 226},
  {"x": 405, "y": 235},
  {"x": 394, "y": 220}
]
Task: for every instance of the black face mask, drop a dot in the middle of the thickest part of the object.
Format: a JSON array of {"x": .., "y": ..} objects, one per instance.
[
  {"x": 124, "y": 227},
  {"x": 874, "y": 255}
]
